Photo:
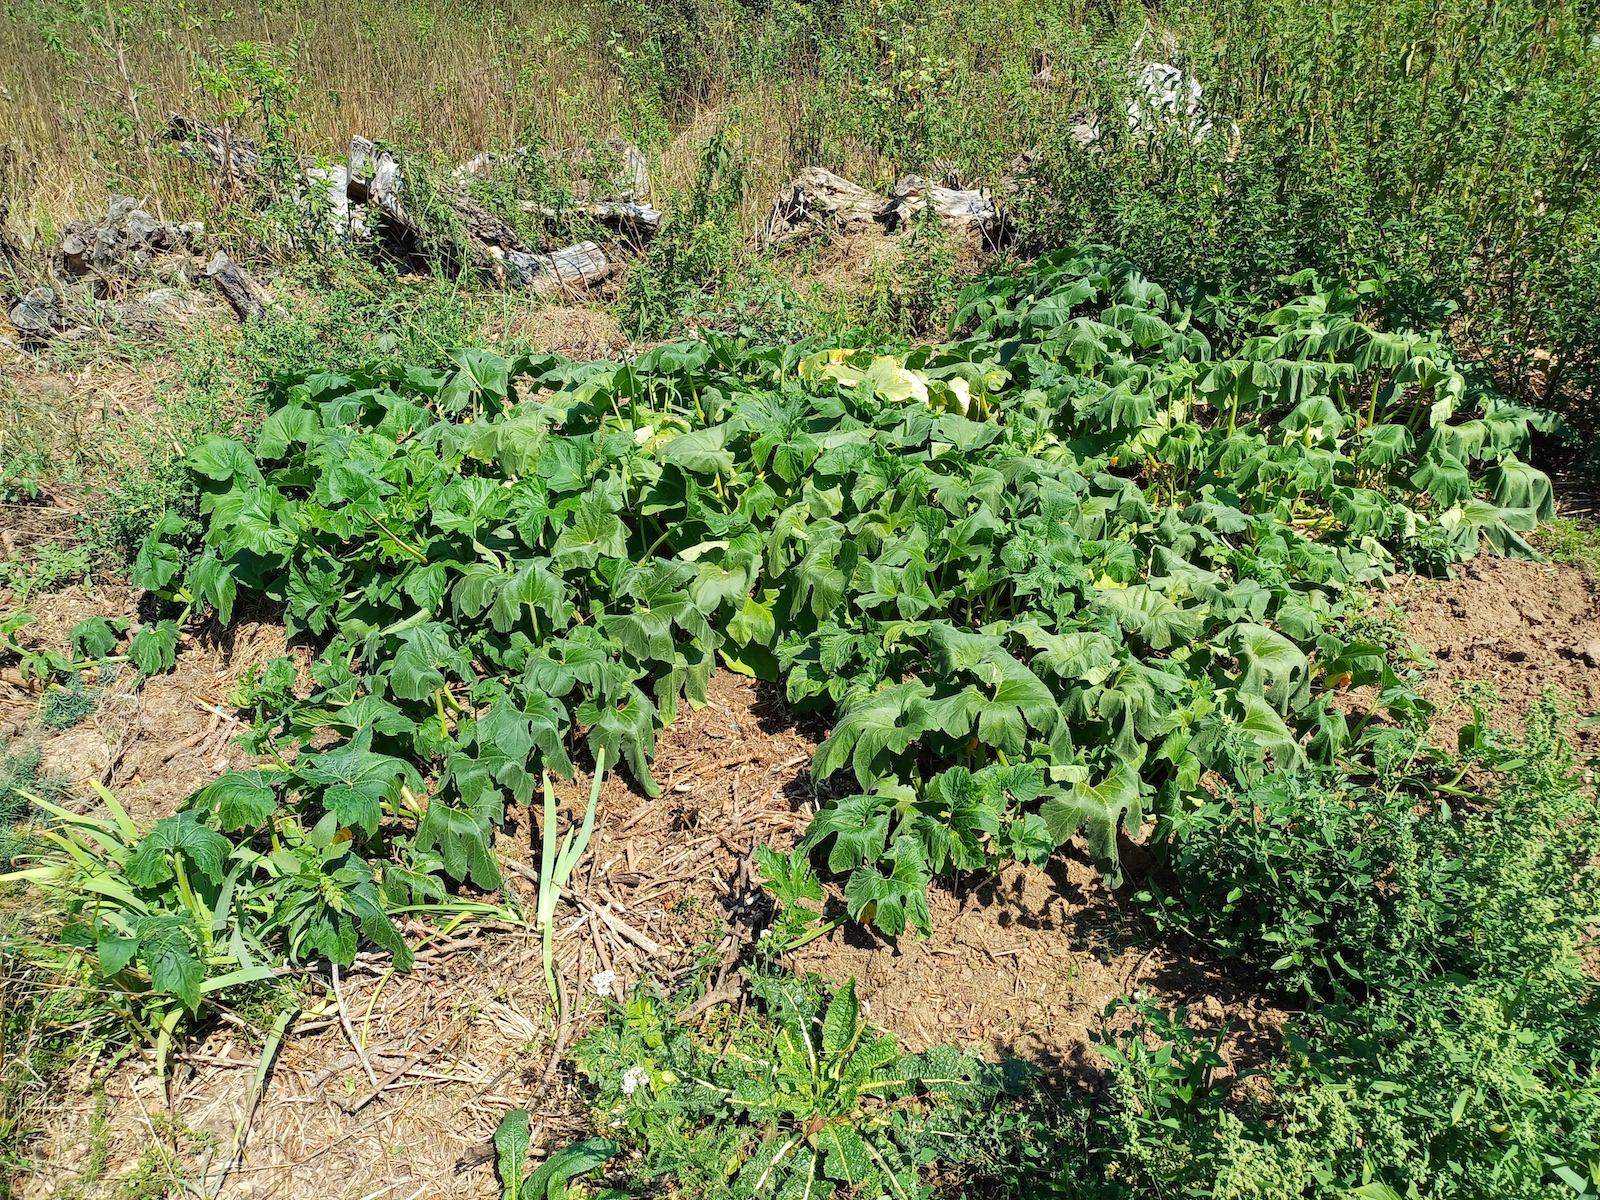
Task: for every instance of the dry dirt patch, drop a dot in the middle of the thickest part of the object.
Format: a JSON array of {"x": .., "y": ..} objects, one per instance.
[{"x": 1521, "y": 626}]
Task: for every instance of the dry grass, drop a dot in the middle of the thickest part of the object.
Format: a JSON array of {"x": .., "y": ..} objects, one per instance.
[
  {"x": 435, "y": 78},
  {"x": 432, "y": 76}
]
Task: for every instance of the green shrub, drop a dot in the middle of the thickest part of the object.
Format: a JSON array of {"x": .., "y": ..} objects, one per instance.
[
  {"x": 695, "y": 251},
  {"x": 1455, "y": 1053}
]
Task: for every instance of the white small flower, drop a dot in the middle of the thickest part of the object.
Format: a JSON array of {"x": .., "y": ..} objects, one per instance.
[
  {"x": 604, "y": 982},
  {"x": 632, "y": 1078}
]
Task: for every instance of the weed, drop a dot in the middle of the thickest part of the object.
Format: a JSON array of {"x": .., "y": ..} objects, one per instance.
[
  {"x": 805, "y": 1098},
  {"x": 697, "y": 249},
  {"x": 1573, "y": 542},
  {"x": 913, "y": 296},
  {"x": 23, "y": 779},
  {"x": 48, "y": 567},
  {"x": 64, "y": 705}
]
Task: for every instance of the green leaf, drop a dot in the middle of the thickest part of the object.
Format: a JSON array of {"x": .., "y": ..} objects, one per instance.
[
  {"x": 1270, "y": 665},
  {"x": 1442, "y": 476},
  {"x": 873, "y": 728},
  {"x": 114, "y": 951},
  {"x": 96, "y": 637},
  {"x": 1151, "y": 615},
  {"x": 511, "y": 1141},
  {"x": 241, "y": 799},
  {"x": 1517, "y": 485},
  {"x": 154, "y": 649},
  {"x": 753, "y": 623},
  {"x": 183, "y": 834},
  {"x": 223, "y": 460},
  {"x": 1068, "y": 656},
  {"x": 504, "y": 593},
  {"x": 839, "y": 1026},
  {"x": 416, "y": 670},
  {"x": 1098, "y": 811},
  {"x": 859, "y": 827},
  {"x": 892, "y": 901},
  {"x": 626, "y": 730},
  {"x": 1007, "y": 700},
  {"x": 165, "y": 945},
  {"x": 158, "y": 562},
  {"x": 463, "y": 843},
  {"x": 288, "y": 426},
  {"x": 356, "y": 782},
  {"x": 699, "y": 452},
  {"x": 789, "y": 878},
  {"x": 845, "y": 1154},
  {"x": 211, "y": 581},
  {"x": 1384, "y": 445},
  {"x": 550, "y": 1180},
  {"x": 595, "y": 533}
]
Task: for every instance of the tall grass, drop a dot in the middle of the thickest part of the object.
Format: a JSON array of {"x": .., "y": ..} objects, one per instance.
[{"x": 1444, "y": 148}]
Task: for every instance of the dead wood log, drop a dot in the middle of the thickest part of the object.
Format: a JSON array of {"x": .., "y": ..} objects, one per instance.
[
  {"x": 38, "y": 314},
  {"x": 328, "y": 192},
  {"x": 127, "y": 238},
  {"x": 966, "y": 209},
  {"x": 219, "y": 148},
  {"x": 631, "y": 218},
  {"x": 359, "y": 167},
  {"x": 572, "y": 267},
  {"x": 238, "y": 288},
  {"x": 628, "y": 180},
  {"x": 819, "y": 197},
  {"x": 384, "y": 191}
]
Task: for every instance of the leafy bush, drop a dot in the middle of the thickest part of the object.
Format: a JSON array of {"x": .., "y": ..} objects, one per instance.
[
  {"x": 696, "y": 249},
  {"x": 1457, "y": 1055}
]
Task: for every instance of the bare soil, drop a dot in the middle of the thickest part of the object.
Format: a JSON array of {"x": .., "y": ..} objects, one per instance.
[
  {"x": 1018, "y": 965},
  {"x": 1524, "y": 627}
]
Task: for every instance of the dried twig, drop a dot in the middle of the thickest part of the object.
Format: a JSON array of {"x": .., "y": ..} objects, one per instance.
[
  {"x": 427, "y": 1050},
  {"x": 727, "y": 993},
  {"x": 645, "y": 943},
  {"x": 130, "y": 732},
  {"x": 349, "y": 1032}
]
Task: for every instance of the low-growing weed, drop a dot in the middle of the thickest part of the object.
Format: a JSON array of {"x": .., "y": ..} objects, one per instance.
[
  {"x": 22, "y": 779},
  {"x": 805, "y": 1098},
  {"x": 65, "y": 704},
  {"x": 47, "y": 567},
  {"x": 1573, "y": 542}
]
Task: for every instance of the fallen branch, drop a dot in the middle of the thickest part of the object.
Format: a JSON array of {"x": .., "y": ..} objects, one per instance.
[{"x": 725, "y": 993}]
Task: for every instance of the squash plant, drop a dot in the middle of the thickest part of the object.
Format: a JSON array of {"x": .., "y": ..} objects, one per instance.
[{"x": 1044, "y": 576}]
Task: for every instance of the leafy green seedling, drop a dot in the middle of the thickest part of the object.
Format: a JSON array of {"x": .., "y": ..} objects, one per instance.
[
  {"x": 558, "y": 861},
  {"x": 549, "y": 1182}
]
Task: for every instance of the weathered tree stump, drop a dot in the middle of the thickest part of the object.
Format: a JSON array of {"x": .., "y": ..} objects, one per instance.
[
  {"x": 238, "y": 288},
  {"x": 819, "y": 197}
]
